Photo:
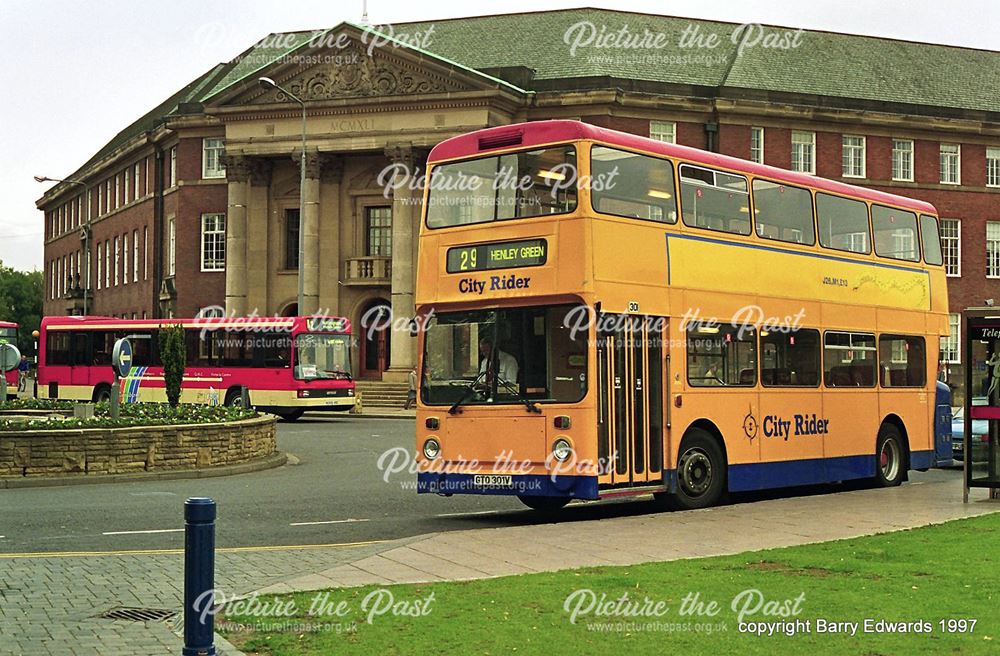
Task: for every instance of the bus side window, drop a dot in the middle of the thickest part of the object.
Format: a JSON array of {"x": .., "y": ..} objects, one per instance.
[
  {"x": 790, "y": 359},
  {"x": 715, "y": 200},
  {"x": 903, "y": 361},
  {"x": 849, "y": 360},
  {"x": 721, "y": 357},
  {"x": 102, "y": 342}
]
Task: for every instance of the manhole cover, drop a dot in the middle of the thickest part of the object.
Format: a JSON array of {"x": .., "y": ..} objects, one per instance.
[{"x": 138, "y": 614}]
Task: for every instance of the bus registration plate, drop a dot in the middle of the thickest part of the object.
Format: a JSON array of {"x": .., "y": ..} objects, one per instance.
[{"x": 492, "y": 480}]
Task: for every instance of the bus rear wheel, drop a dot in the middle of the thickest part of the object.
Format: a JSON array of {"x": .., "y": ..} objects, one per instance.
[
  {"x": 544, "y": 504},
  {"x": 290, "y": 415},
  {"x": 102, "y": 394},
  {"x": 701, "y": 473},
  {"x": 890, "y": 460}
]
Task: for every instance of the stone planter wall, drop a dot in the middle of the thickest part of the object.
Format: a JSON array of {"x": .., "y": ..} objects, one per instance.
[{"x": 98, "y": 451}]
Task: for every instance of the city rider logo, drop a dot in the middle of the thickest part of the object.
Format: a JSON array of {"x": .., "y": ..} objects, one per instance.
[
  {"x": 798, "y": 425},
  {"x": 493, "y": 284}
]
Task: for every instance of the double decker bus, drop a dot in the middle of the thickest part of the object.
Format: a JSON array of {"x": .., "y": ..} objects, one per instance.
[
  {"x": 287, "y": 364},
  {"x": 608, "y": 315},
  {"x": 8, "y": 335}
]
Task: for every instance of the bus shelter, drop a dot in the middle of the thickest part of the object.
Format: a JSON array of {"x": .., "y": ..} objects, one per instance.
[{"x": 980, "y": 453}]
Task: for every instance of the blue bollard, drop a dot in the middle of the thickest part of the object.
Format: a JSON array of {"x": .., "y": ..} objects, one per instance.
[{"x": 199, "y": 576}]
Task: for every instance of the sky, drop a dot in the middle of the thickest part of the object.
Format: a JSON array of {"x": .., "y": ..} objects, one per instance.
[{"x": 75, "y": 73}]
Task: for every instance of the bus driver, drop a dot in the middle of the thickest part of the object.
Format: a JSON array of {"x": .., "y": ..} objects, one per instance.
[{"x": 507, "y": 364}]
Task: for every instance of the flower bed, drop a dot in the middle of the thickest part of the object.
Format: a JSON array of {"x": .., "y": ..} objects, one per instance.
[{"x": 131, "y": 414}]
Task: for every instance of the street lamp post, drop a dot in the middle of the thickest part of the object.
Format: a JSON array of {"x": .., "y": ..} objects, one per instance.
[
  {"x": 268, "y": 83},
  {"x": 86, "y": 233}
]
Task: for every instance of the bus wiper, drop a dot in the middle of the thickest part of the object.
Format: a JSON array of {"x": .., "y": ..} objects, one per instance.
[
  {"x": 466, "y": 394},
  {"x": 523, "y": 398}
]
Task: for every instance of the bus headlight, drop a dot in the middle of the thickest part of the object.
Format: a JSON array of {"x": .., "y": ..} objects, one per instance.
[
  {"x": 432, "y": 449},
  {"x": 562, "y": 449}
]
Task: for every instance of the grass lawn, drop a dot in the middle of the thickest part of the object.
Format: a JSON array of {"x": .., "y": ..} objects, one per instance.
[{"x": 950, "y": 571}]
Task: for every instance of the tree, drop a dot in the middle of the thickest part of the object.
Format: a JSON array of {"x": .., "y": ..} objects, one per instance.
[
  {"x": 21, "y": 295},
  {"x": 173, "y": 355}
]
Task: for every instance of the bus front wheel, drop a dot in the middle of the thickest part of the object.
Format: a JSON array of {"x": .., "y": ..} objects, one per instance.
[
  {"x": 889, "y": 457},
  {"x": 234, "y": 398},
  {"x": 544, "y": 504},
  {"x": 701, "y": 472}
]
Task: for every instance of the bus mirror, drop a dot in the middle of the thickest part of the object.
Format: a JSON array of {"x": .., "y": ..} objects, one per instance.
[{"x": 414, "y": 327}]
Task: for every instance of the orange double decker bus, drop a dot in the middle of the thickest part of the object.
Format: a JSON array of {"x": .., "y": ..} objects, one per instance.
[{"x": 608, "y": 315}]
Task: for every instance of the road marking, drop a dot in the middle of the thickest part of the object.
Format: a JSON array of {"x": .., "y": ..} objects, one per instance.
[
  {"x": 470, "y": 514},
  {"x": 149, "y": 532},
  {"x": 156, "y": 552},
  {"x": 332, "y": 521}
]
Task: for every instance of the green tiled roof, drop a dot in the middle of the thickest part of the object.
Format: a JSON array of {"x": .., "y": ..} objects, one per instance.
[{"x": 824, "y": 63}]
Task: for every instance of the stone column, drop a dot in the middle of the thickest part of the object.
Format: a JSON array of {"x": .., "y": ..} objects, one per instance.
[
  {"x": 258, "y": 268},
  {"x": 331, "y": 173},
  {"x": 309, "y": 225},
  {"x": 238, "y": 175},
  {"x": 402, "y": 355}
]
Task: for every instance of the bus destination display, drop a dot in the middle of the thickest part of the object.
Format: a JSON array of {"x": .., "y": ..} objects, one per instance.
[{"x": 501, "y": 255}]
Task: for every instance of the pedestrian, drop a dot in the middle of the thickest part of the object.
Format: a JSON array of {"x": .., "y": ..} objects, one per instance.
[
  {"x": 411, "y": 392},
  {"x": 22, "y": 373}
]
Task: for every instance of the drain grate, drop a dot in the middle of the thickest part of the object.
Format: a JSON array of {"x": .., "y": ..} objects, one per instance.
[{"x": 138, "y": 614}]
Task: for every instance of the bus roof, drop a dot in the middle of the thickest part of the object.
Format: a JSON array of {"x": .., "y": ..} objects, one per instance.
[
  {"x": 334, "y": 324},
  {"x": 9, "y": 324},
  {"x": 535, "y": 133}
]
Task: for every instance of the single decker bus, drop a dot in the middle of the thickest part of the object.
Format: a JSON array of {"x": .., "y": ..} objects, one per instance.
[{"x": 287, "y": 364}]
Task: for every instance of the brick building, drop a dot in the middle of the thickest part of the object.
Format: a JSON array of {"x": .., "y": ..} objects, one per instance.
[{"x": 196, "y": 204}]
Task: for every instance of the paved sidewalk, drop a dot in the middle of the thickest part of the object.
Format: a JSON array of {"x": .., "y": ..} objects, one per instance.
[{"x": 484, "y": 553}]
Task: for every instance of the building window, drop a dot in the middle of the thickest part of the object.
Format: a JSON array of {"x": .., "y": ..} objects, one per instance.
[
  {"x": 993, "y": 167},
  {"x": 107, "y": 264},
  {"x": 125, "y": 259},
  {"x": 118, "y": 191},
  {"x": 854, "y": 156},
  {"x": 378, "y": 230},
  {"x": 804, "y": 152},
  {"x": 757, "y": 145},
  {"x": 173, "y": 166},
  {"x": 663, "y": 131},
  {"x": 107, "y": 195},
  {"x": 135, "y": 256},
  {"x": 902, "y": 160},
  {"x": 100, "y": 200},
  {"x": 292, "y": 238},
  {"x": 951, "y": 246},
  {"x": 145, "y": 253},
  {"x": 117, "y": 261},
  {"x": 100, "y": 254},
  {"x": 992, "y": 249},
  {"x": 950, "y": 352},
  {"x": 135, "y": 182},
  {"x": 171, "y": 246},
  {"x": 145, "y": 179},
  {"x": 127, "y": 174},
  {"x": 213, "y": 242},
  {"x": 211, "y": 159},
  {"x": 951, "y": 164}
]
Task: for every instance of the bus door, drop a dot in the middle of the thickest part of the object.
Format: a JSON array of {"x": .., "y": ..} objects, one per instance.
[{"x": 630, "y": 359}]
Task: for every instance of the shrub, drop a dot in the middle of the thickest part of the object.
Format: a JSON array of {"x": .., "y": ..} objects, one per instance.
[{"x": 173, "y": 355}]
